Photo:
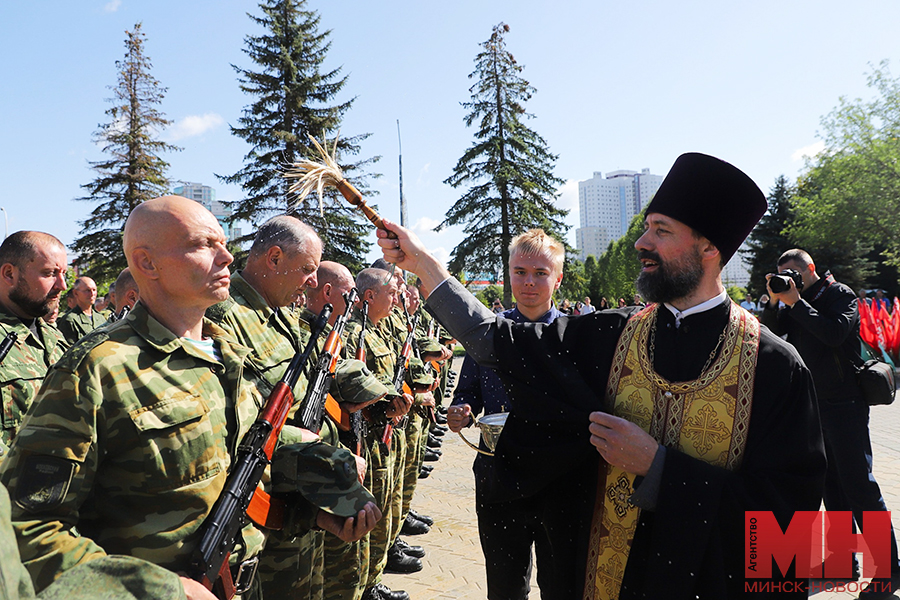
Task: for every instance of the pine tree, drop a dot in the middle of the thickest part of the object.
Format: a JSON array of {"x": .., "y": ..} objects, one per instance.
[
  {"x": 134, "y": 171},
  {"x": 509, "y": 167},
  {"x": 292, "y": 102},
  {"x": 768, "y": 239}
]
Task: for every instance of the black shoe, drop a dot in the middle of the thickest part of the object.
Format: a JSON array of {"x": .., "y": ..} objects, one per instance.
[
  {"x": 385, "y": 593},
  {"x": 398, "y": 562},
  {"x": 437, "y": 432},
  {"x": 441, "y": 419},
  {"x": 407, "y": 549},
  {"x": 433, "y": 442},
  {"x": 442, "y": 410},
  {"x": 412, "y": 526},
  {"x": 424, "y": 518},
  {"x": 423, "y": 474},
  {"x": 881, "y": 589},
  {"x": 431, "y": 455}
]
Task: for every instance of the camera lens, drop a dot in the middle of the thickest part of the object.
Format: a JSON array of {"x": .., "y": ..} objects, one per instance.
[{"x": 780, "y": 283}]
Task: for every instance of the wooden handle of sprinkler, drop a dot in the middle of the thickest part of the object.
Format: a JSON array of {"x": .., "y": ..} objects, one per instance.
[{"x": 352, "y": 195}]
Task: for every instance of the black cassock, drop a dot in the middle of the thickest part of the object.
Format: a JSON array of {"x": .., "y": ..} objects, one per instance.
[{"x": 692, "y": 544}]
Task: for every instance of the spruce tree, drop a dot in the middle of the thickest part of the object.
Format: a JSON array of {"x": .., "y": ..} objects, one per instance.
[
  {"x": 134, "y": 171},
  {"x": 294, "y": 99},
  {"x": 768, "y": 240},
  {"x": 509, "y": 168}
]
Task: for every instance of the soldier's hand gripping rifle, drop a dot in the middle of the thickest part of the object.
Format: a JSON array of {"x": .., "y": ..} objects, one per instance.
[
  {"x": 240, "y": 498},
  {"x": 400, "y": 374},
  {"x": 313, "y": 411}
]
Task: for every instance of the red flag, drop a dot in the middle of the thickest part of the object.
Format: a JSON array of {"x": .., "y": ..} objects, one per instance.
[{"x": 867, "y": 329}]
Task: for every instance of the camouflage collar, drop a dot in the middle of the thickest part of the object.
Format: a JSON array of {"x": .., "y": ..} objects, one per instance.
[
  {"x": 241, "y": 290},
  {"x": 161, "y": 338},
  {"x": 9, "y": 322}
]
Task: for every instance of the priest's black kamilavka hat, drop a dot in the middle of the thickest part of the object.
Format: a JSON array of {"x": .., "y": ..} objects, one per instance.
[{"x": 714, "y": 197}]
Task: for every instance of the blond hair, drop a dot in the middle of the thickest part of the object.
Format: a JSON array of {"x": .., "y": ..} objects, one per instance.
[{"x": 536, "y": 242}]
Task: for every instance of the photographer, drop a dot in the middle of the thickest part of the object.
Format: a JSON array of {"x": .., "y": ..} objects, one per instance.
[{"x": 819, "y": 316}]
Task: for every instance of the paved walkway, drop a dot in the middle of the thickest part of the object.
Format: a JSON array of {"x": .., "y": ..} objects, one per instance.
[{"x": 454, "y": 565}]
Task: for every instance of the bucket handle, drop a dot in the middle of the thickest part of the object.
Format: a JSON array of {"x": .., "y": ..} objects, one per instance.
[{"x": 473, "y": 446}]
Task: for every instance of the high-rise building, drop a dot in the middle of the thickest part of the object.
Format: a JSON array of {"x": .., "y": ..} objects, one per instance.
[
  {"x": 607, "y": 205},
  {"x": 206, "y": 196}
]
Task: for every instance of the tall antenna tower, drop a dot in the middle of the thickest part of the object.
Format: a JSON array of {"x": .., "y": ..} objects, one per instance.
[{"x": 404, "y": 215}]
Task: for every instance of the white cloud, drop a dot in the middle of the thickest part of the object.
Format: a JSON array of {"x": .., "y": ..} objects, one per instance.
[
  {"x": 808, "y": 151},
  {"x": 568, "y": 195},
  {"x": 194, "y": 125},
  {"x": 112, "y": 5},
  {"x": 442, "y": 254},
  {"x": 423, "y": 174},
  {"x": 425, "y": 225}
]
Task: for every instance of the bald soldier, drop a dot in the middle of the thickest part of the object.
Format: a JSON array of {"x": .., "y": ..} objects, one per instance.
[
  {"x": 131, "y": 438},
  {"x": 32, "y": 276},
  {"x": 82, "y": 319}
]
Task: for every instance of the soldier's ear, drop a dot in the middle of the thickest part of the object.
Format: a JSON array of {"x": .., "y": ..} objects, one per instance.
[
  {"x": 9, "y": 273},
  {"x": 273, "y": 257},
  {"x": 144, "y": 263}
]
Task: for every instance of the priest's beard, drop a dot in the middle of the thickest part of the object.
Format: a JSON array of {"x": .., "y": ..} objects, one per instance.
[
  {"x": 31, "y": 306},
  {"x": 672, "y": 279}
]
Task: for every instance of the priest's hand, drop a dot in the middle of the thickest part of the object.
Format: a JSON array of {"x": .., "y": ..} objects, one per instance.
[
  {"x": 407, "y": 252},
  {"x": 622, "y": 444}
]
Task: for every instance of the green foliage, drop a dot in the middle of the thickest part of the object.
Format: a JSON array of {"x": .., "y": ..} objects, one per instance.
[
  {"x": 489, "y": 294},
  {"x": 737, "y": 293},
  {"x": 768, "y": 240},
  {"x": 848, "y": 200},
  {"x": 294, "y": 96},
  {"x": 574, "y": 283},
  {"x": 613, "y": 274},
  {"x": 509, "y": 168},
  {"x": 134, "y": 171}
]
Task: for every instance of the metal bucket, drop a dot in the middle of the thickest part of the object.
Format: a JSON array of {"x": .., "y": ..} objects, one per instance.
[{"x": 491, "y": 427}]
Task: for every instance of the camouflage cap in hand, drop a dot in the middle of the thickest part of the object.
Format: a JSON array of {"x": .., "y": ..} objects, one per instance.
[
  {"x": 324, "y": 475},
  {"x": 355, "y": 383},
  {"x": 419, "y": 376},
  {"x": 428, "y": 345}
]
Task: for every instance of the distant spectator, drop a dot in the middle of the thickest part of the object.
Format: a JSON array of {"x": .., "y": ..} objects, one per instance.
[
  {"x": 638, "y": 301},
  {"x": 579, "y": 308},
  {"x": 879, "y": 301},
  {"x": 565, "y": 307},
  {"x": 588, "y": 308},
  {"x": 748, "y": 304},
  {"x": 497, "y": 307},
  {"x": 604, "y": 304},
  {"x": 622, "y": 303}
]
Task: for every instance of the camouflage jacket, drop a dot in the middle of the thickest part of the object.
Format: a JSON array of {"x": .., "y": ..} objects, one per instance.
[
  {"x": 273, "y": 335},
  {"x": 23, "y": 369},
  {"x": 127, "y": 447},
  {"x": 74, "y": 324}
]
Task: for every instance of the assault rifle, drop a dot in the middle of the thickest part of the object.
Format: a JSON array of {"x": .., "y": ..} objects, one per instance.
[
  {"x": 314, "y": 405},
  {"x": 356, "y": 418},
  {"x": 240, "y": 498},
  {"x": 400, "y": 374},
  {"x": 8, "y": 342},
  {"x": 119, "y": 316}
]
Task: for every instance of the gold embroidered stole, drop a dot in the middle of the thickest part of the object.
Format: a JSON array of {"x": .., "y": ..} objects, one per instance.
[{"x": 706, "y": 418}]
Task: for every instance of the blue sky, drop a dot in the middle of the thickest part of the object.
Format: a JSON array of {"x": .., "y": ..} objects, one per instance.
[{"x": 622, "y": 85}]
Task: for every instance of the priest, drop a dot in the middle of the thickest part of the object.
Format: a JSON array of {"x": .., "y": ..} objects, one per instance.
[{"x": 645, "y": 433}]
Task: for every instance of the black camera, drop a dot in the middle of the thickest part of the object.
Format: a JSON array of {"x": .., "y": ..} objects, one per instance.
[{"x": 782, "y": 283}]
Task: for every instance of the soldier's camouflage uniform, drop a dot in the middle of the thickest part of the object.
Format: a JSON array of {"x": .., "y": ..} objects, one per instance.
[
  {"x": 380, "y": 359},
  {"x": 74, "y": 324},
  {"x": 23, "y": 369},
  {"x": 127, "y": 447},
  {"x": 291, "y": 566},
  {"x": 111, "y": 578}
]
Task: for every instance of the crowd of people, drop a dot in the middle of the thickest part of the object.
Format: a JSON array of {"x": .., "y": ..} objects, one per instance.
[
  {"x": 120, "y": 427},
  {"x": 635, "y": 438}
]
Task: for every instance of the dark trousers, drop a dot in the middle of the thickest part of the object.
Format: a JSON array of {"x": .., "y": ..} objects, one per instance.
[
  {"x": 509, "y": 529},
  {"x": 849, "y": 482}
]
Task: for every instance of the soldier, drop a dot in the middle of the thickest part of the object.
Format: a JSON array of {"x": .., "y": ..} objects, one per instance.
[
  {"x": 282, "y": 262},
  {"x": 32, "y": 276},
  {"x": 127, "y": 292},
  {"x": 380, "y": 359},
  {"x": 129, "y": 443},
  {"x": 82, "y": 319}
]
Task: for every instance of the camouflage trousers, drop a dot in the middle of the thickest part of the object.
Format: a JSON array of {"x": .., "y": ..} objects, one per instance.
[
  {"x": 416, "y": 436},
  {"x": 382, "y": 465},
  {"x": 347, "y": 565},
  {"x": 399, "y": 452},
  {"x": 291, "y": 568}
]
